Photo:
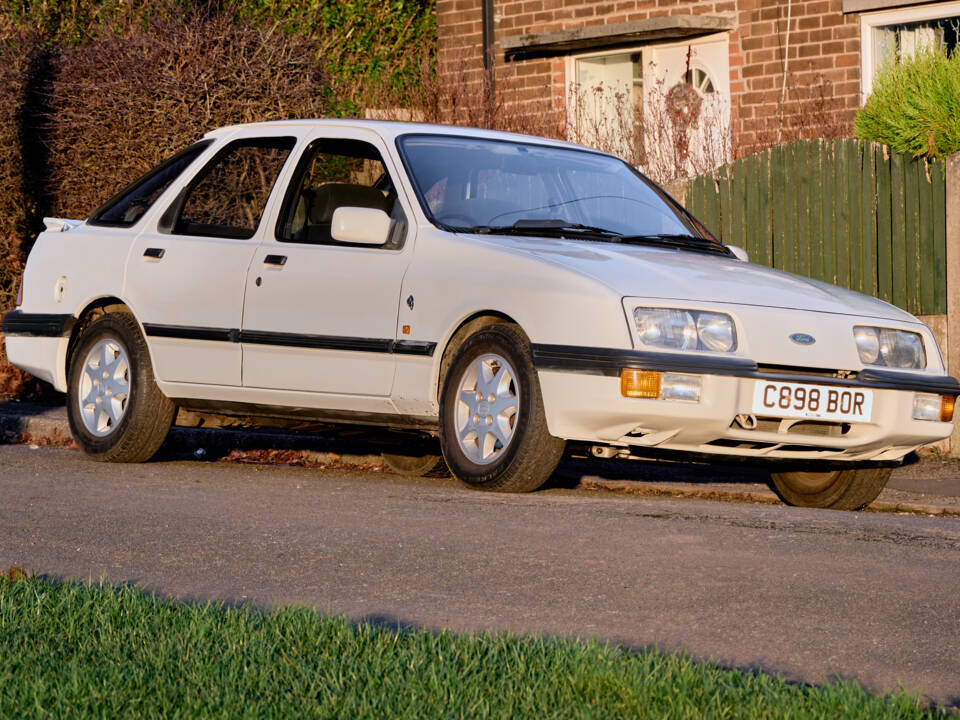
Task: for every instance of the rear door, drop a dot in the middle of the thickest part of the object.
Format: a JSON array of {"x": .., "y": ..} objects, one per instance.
[{"x": 185, "y": 276}]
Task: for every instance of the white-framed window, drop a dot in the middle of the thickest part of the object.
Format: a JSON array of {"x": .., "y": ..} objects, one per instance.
[
  {"x": 664, "y": 107},
  {"x": 889, "y": 36}
]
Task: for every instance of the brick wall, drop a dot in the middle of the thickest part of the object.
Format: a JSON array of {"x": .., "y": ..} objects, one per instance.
[{"x": 822, "y": 78}]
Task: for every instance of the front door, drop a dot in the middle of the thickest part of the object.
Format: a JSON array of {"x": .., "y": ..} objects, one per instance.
[{"x": 319, "y": 315}]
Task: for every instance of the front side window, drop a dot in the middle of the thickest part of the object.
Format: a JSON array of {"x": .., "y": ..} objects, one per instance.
[
  {"x": 228, "y": 197},
  {"x": 334, "y": 173},
  {"x": 126, "y": 207},
  {"x": 501, "y": 187}
]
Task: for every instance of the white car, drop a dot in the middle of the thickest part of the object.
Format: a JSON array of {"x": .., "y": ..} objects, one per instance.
[{"x": 505, "y": 294}]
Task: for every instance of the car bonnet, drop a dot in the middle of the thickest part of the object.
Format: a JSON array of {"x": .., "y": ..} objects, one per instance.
[{"x": 650, "y": 272}]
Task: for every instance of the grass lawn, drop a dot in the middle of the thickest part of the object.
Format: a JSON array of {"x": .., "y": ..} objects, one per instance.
[{"x": 75, "y": 650}]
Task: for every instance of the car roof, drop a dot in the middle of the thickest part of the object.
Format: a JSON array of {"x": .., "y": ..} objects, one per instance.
[{"x": 391, "y": 129}]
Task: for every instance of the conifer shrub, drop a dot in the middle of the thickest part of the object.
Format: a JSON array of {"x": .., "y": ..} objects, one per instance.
[{"x": 915, "y": 106}]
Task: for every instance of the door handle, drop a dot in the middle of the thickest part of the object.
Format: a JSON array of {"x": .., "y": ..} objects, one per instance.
[
  {"x": 275, "y": 260},
  {"x": 153, "y": 253}
]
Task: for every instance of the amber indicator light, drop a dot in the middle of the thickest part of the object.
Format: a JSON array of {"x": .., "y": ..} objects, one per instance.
[
  {"x": 946, "y": 407},
  {"x": 640, "y": 383}
]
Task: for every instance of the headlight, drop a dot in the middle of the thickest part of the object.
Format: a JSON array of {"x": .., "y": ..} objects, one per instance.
[
  {"x": 889, "y": 348},
  {"x": 676, "y": 329}
]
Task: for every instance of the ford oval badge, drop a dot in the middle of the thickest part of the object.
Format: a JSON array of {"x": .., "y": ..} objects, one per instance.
[{"x": 803, "y": 339}]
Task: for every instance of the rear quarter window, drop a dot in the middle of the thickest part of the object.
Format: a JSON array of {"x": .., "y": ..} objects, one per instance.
[{"x": 129, "y": 205}]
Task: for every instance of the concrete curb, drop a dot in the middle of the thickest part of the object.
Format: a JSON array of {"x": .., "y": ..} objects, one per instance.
[{"x": 51, "y": 427}]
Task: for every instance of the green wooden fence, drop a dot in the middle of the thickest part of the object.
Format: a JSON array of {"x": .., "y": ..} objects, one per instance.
[{"x": 844, "y": 211}]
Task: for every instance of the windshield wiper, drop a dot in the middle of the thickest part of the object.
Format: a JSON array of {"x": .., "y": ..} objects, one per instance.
[
  {"x": 690, "y": 242},
  {"x": 577, "y": 231},
  {"x": 557, "y": 228}
]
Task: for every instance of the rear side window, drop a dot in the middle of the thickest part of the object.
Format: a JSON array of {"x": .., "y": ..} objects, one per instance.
[
  {"x": 228, "y": 197},
  {"x": 126, "y": 207}
]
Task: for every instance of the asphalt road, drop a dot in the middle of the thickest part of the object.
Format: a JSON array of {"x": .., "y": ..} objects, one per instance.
[{"x": 808, "y": 594}]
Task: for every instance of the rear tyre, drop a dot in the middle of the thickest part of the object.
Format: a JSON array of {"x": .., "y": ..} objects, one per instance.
[
  {"x": 837, "y": 489},
  {"x": 493, "y": 429},
  {"x": 417, "y": 465},
  {"x": 116, "y": 411}
]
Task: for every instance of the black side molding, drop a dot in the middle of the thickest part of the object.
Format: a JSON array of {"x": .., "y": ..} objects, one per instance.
[
  {"x": 319, "y": 342},
  {"x": 188, "y": 332},
  {"x": 17, "y": 322},
  {"x": 414, "y": 347},
  {"x": 608, "y": 362},
  {"x": 279, "y": 339}
]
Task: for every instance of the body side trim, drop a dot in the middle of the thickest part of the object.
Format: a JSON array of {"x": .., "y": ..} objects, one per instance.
[
  {"x": 186, "y": 332},
  {"x": 317, "y": 342},
  {"x": 17, "y": 322}
]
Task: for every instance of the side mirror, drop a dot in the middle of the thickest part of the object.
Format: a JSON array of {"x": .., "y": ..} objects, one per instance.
[
  {"x": 360, "y": 226},
  {"x": 739, "y": 253}
]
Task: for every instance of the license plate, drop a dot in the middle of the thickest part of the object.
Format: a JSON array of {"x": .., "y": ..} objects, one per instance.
[{"x": 785, "y": 399}]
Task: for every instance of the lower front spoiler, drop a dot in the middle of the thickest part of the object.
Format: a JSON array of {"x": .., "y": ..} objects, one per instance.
[
  {"x": 590, "y": 409},
  {"x": 691, "y": 457}
]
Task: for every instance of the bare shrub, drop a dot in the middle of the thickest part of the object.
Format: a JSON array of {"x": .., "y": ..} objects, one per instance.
[
  {"x": 662, "y": 143},
  {"x": 17, "y": 47},
  {"x": 477, "y": 98},
  {"x": 105, "y": 112},
  {"x": 810, "y": 109},
  {"x": 125, "y": 101}
]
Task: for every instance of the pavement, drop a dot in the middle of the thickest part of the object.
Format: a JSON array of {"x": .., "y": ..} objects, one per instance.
[
  {"x": 928, "y": 483},
  {"x": 812, "y": 595}
]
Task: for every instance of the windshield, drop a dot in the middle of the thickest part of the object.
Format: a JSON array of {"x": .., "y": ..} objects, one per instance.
[{"x": 493, "y": 186}]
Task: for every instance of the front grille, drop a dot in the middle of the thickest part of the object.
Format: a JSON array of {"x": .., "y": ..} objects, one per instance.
[
  {"x": 812, "y": 372},
  {"x": 819, "y": 428},
  {"x": 789, "y": 426},
  {"x": 741, "y": 445}
]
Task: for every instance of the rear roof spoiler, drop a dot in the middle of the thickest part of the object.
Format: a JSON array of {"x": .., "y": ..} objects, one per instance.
[{"x": 60, "y": 224}]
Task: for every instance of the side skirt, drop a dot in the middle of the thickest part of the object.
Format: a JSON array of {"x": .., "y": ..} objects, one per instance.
[{"x": 302, "y": 418}]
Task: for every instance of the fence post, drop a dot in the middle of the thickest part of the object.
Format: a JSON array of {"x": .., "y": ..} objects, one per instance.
[{"x": 953, "y": 281}]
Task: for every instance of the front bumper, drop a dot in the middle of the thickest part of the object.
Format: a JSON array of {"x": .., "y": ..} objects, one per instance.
[{"x": 582, "y": 399}]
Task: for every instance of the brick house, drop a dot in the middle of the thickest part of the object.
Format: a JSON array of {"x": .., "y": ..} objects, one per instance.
[{"x": 764, "y": 71}]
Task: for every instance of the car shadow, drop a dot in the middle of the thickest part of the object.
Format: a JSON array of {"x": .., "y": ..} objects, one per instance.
[{"x": 574, "y": 470}]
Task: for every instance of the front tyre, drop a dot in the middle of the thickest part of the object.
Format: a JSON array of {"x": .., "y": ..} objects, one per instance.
[
  {"x": 116, "y": 411},
  {"x": 837, "y": 489},
  {"x": 493, "y": 429}
]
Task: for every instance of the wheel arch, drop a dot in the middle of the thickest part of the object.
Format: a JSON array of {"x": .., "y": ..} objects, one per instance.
[
  {"x": 459, "y": 332},
  {"x": 87, "y": 314}
]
